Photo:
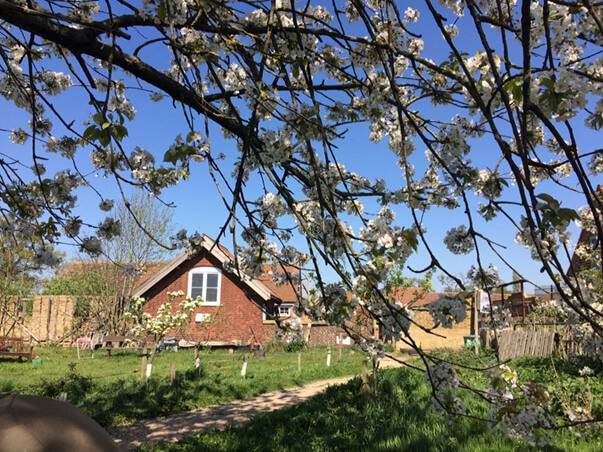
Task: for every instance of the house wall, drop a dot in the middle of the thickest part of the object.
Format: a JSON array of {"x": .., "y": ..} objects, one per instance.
[
  {"x": 238, "y": 319},
  {"x": 453, "y": 337}
]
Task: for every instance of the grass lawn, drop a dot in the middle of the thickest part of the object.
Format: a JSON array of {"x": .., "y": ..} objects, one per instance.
[
  {"x": 109, "y": 389},
  {"x": 401, "y": 419}
]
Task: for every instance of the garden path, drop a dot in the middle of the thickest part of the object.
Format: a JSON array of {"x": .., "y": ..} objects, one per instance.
[{"x": 172, "y": 428}]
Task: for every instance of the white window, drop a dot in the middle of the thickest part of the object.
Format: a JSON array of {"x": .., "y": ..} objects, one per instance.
[
  {"x": 281, "y": 311},
  {"x": 205, "y": 282},
  {"x": 284, "y": 310}
]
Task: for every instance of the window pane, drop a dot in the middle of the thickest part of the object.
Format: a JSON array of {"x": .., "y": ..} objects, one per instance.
[
  {"x": 211, "y": 295},
  {"x": 212, "y": 280},
  {"x": 197, "y": 280},
  {"x": 196, "y": 292}
]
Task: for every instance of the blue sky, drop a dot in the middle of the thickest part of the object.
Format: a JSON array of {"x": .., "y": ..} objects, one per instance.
[{"x": 198, "y": 206}]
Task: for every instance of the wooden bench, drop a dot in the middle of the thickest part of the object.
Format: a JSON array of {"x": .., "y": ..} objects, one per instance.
[
  {"x": 110, "y": 343},
  {"x": 14, "y": 346}
]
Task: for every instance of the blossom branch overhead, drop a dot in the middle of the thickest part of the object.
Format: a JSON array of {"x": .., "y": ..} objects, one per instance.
[{"x": 491, "y": 117}]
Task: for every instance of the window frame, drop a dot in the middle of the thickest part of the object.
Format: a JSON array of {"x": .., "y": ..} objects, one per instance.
[
  {"x": 205, "y": 271},
  {"x": 271, "y": 317}
]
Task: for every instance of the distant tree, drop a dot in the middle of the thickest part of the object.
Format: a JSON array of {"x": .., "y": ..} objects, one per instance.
[
  {"x": 104, "y": 283},
  {"x": 146, "y": 227},
  {"x": 22, "y": 258},
  {"x": 398, "y": 279}
]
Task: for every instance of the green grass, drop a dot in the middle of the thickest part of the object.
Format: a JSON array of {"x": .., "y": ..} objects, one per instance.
[
  {"x": 109, "y": 389},
  {"x": 401, "y": 419}
]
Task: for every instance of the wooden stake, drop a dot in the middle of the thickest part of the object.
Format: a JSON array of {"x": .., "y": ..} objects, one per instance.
[
  {"x": 244, "y": 368},
  {"x": 299, "y": 362},
  {"x": 329, "y": 357},
  {"x": 375, "y": 367},
  {"x": 365, "y": 388},
  {"x": 476, "y": 320},
  {"x": 173, "y": 374},
  {"x": 143, "y": 369}
]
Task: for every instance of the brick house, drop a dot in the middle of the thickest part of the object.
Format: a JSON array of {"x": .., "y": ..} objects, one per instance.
[{"x": 240, "y": 310}]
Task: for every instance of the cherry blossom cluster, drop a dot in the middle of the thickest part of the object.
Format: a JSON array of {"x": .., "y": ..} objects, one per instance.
[
  {"x": 446, "y": 311},
  {"x": 445, "y": 382},
  {"x": 522, "y": 414}
]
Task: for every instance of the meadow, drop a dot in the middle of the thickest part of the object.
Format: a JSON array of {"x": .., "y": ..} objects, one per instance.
[
  {"x": 401, "y": 418},
  {"x": 109, "y": 389}
]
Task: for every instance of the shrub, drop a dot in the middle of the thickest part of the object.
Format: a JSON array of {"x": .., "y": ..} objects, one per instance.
[{"x": 295, "y": 345}]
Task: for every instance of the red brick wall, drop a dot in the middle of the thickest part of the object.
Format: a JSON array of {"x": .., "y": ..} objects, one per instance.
[{"x": 239, "y": 311}]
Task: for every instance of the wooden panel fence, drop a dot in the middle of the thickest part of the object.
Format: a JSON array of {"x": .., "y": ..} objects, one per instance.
[{"x": 516, "y": 343}]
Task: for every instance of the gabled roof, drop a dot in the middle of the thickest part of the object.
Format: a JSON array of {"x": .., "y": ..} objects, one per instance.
[
  {"x": 414, "y": 296},
  {"x": 218, "y": 252},
  {"x": 119, "y": 272},
  {"x": 285, "y": 292}
]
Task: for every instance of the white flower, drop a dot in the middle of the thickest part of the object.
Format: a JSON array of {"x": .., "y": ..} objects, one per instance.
[
  {"x": 106, "y": 205},
  {"x": 458, "y": 240},
  {"x": 411, "y": 15},
  {"x": 447, "y": 311},
  {"x": 586, "y": 371},
  {"x": 91, "y": 246},
  {"x": 18, "y": 136}
]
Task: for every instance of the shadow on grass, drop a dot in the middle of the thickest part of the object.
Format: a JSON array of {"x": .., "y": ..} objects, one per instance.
[{"x": 339, "y": 420}]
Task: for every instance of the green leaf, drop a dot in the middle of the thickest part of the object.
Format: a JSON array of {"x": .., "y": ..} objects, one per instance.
[
  {"x": 98, "y": 118},
  {"x": 90, "y": 134},
  {"x": 568, "y": 214},
  {"x": 548, "y": 199},
  {"x": 119, "y": 132},
  {"x": 411, "y": 238}
]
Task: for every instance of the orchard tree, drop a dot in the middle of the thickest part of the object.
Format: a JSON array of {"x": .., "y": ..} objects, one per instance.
[{"x": 488, "y": 106}]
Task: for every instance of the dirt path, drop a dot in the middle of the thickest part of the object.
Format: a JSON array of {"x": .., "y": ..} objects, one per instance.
[{"x": 173, "y": 428}]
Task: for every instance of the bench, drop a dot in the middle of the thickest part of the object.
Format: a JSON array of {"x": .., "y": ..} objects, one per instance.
[
  {"x": 110, "y": 343},
  {"x": 14, "y": 346}
]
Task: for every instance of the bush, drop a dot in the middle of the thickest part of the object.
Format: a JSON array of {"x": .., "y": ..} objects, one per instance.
[
  {"x": 77, "y": 386},
  {"x": 295, "y": 346},
  {"x": 275, "y": 346}
]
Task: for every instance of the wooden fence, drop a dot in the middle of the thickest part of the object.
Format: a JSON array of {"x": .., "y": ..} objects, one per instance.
[
  {"x": 50, "y": 320},
  {"x": 538, "y": 340},
  {"x": 516, "y": 343}
]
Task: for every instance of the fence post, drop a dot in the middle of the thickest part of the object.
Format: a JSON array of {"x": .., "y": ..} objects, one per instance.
[
  {"x": 244, "y": 368},
  {"x": 143, "y": 370},
  {"x": 476, "y": 319},
  {"x": 329, "y": 357}
]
